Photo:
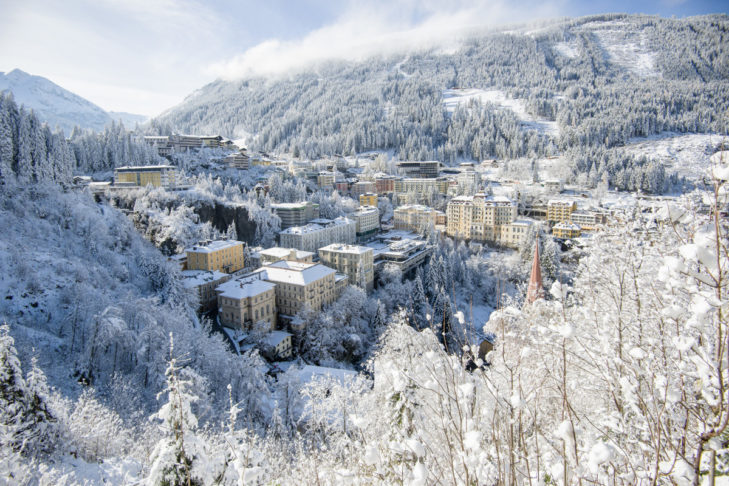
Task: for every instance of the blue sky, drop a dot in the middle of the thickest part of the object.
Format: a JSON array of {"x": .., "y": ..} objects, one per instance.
[{"x": 143, "y": 56}]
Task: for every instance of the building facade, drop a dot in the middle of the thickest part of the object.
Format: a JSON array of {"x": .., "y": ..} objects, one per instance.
[
  {"x": 368, "y": 222},
  {"x": 221, "y": 255},
  {"x": 559, "y": 210},
  {"x": 276, "y": 254},
  {"x": 479, "y": 217},
  {"x": 414, "y": 217},
  {"x": 242, "y": 302},
  {"x": 354, "y": 261},
  {"x": 156, "y": 175},
  {"x": 566, "y": 230},
  {"x": 362, "y": 187},
  {"x": 319, "y": 233},
  {"x": 204, "y": 284},
  {"x": 368, "y": 199},
  {"x": 515, "y": 233},
  {"x": 295, "y": 214},
  {"x": 588, "y": 220},
  {"x": 424, "y": 169}
]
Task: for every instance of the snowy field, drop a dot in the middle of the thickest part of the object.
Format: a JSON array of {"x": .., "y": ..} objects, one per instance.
[
  {"x": 687, "y": 155},
  {"x": 452, "y": 98},
  {"x": 625, "y": 48},
  {"x": 567, "y": 49}
]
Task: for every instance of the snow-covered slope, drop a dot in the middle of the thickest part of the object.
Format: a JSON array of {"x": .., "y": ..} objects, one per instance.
[{"x": 57, "y": 106}]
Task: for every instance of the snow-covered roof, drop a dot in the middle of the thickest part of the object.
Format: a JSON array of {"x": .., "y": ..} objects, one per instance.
[
  {"x": 522, "y": 222},
  {"x": 561, "y": 202},
  {"x": 341, "y": 248},
  {"x": 567, "y": 226},
  {"x": 296, "y": 205},
  {"x": 416, "y": 207},
  {"x": 278, "y": 252},
  {"x": 145, "y": 167},
  {"x": 309, "y": 373},
  {"x": 195, "y": 278},
  {"x": 316, "y": 225},
  {"x": 296, "y": 273},
  {"x": 216, "y": 245},
  {"x": 244, "y": 287},
  {"x": 274, "y": 338}
]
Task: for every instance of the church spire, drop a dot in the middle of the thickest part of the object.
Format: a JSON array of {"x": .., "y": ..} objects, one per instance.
[{"x": 535, "y": 290}]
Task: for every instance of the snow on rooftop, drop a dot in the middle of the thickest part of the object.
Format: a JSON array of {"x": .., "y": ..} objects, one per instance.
[
  {"x": 566, "y": 225},
  {"x": 195, "y": 278},
  {"x": 561, "y": 201},
  {"x": 145, "y": 167},
  {"x": 342, "y": 248},
  {"x": 244, "y": 288},
  {"x": 296, "y": 273},
  {"x": 310, "y": 373},
  {"x": 316, "y": 225},
  {"x": 279, "y": 252},
  {"x": 295, "y": 205},
  {"x": 274, "y": 338},
  {"x": 214, "y": 246}
]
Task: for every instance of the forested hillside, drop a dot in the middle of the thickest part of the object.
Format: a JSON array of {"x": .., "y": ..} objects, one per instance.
[{"x": 595, "y": 81}]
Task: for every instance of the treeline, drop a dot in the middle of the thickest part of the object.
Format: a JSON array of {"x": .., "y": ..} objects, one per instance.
[{"x": 30, "y": 152}]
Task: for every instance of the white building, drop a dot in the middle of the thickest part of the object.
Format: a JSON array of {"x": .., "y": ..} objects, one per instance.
[
  {"x": 514, "y": 233},
  {"x": 319, "y": 233},
  {"x": 368, "y": 222}
]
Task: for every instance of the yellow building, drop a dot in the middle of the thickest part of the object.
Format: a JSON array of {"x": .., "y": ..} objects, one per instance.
[
  {"x": 479, "y": 217},
  {"x": 559, "y": 210},
  {"x": 156, "y": 175},
  {"x": 245, "y": 301},
  {"x": 566, "y": 230},
  {"x": 357, "y": 262},
  {"x": 368, "y": 199},
  {"x": 221, "y": 255}
]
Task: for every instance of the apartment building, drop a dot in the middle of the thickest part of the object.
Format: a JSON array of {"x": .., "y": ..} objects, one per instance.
[
  {"x": 298, "y": 284},
  {"x": 204, "y": 283},
  {"x": 559, "y": 210},
  {"x": 244, "y": 301},
  {"x": 406, "y": 254},
  {"x": 479, "y": 217},
  {"x": 368, "y": 222},
  {"x": 424, "y": 169},
  {"x": 237, "y": 160},
  {"x": 385, "y": 184},
  {"x": 362, "y": 187},
  {"x": 276, "y": 254},
  {"x": 167, "y": 145},
  {"x": 368, "y": 199},
  {"x": 156, "y": 175},
  {"x": 325, "y": 179},
  {"x": 221, "y": 255},
  {"x": 354, "y": 261},
  {"x": 319, "y": 233},
  {"x": 514, "y": 233},
  {"x": 295, "y": 214},
  {"x": 421, "y": 186},
  {"x": 566, "y": 230},
  {"x": 414, "y": 217},
  {"x": 588, "y": 220}
]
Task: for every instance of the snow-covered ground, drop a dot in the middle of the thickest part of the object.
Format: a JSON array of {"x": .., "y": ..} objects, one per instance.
[
  {"x": 452, "y": 98},
  {"x": 567, "y": 49},
  {"x": 686, "y": 155},
  {"x": 626, "y": 48}
]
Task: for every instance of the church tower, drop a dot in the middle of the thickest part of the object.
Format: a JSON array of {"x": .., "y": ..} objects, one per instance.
[{"x": 535, "y": 290}]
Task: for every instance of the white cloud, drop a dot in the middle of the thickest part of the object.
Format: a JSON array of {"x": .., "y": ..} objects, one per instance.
[{"x": 387, "y": 28}]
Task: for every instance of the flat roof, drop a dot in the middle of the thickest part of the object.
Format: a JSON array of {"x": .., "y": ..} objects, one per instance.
[
  {"x": 284, "y": 252},
  {"x": 241, "y": 288},
  {"x": 343, "y": 248},
  {"x": 144, "y": 167},
  {"x": 216, "y": 245},
  {"x": 296, "y": 273}
]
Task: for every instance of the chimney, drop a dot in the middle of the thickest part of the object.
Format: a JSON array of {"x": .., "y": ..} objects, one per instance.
[{"x": 535, "y": 290}]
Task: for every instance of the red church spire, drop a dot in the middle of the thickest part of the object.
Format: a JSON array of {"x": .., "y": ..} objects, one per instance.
[{"x": 535, "y": 290}]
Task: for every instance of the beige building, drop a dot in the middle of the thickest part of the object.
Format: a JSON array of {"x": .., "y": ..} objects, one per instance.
[
  {"x": 368, "y": 199},
  {"x": 416, "y": 189},
  {"x": 560, "y": 210},
  {"x": 588, "y": 220},
  {"x": 566, "y": 230},
  {"x": 237, "y": 160},
  {"x": 245, "y": 301},
  {"x": 318, "y": 233},
  {"x": 156, "y": 175},
  {"x": 362, "y": 187},
  {"x": 298, "y": 284},
  {"x": 221, "y": 255},
  {"x": 325, "y": 179},
  {"x": 354, "y": 261},
  {"x": 479, "y": 217},
  {"x": 279, "y": 345},
  {"x": 276, "y": 254},
  {"x": 414, "y": 217},
  {"x": 514, "y": 234},
  {"x": 204, "y": 284}
]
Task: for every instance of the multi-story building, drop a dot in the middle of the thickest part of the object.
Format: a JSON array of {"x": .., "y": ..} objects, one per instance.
[
  {"x": 362, "y": 187},
  {"x": 421, "y": 186},
  {"x": 468, "y": 177},
  {"x": 354, "y": 261},
  {"x": 514, "y": 233},
  {"x": 566, "y": 230},
  {"x": 166, "y": 145},
  {"x": 553, "y": 185},
  {"x": 424, "y": 169},
  {"x": 588, "y": 220},
  {"x": 406, "y": 254},
  {"x": 221, "y": 255},
  {"x": 368, "y": 199},
  {"x": 385, "y": 184},
  {"x": 325, "y": 179},
  {"x": 277, "y": 345},
  {"x": 318, "y": 233},
  {"x": 237, "y": 160},
  {"x": 295, "y": 214},
  {"x": 245, "y": 301},
  {"x": 156, "y": 175},
  {"x": 414, "y": 217},
  {"x": 276, "y": 254},
  {"x": 368, "y": 222},
  {"x": 204, "y": 283},
  {"x": 479, "y": 217},
  {"x": 298, "y": 284},
  {"x": 559, "y": 210}
]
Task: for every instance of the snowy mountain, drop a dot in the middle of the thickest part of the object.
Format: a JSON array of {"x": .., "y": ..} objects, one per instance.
[
  {"x": 527, "y": 92},
  {"x": 57, "y": 106}
]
